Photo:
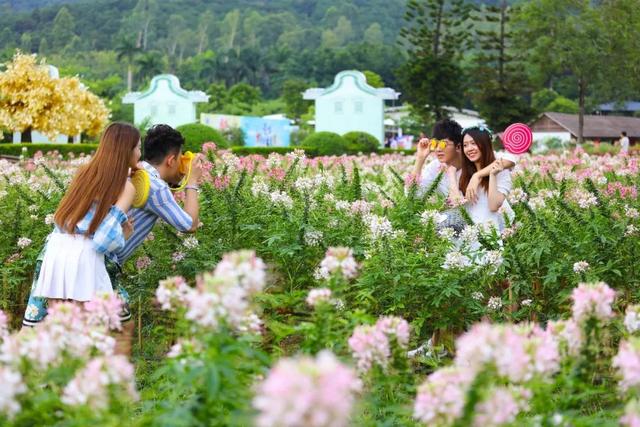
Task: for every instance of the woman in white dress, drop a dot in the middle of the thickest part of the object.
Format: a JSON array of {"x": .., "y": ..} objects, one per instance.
[
  {"x": 493, "y": 189},
  {"x": 90, "y": 221}
]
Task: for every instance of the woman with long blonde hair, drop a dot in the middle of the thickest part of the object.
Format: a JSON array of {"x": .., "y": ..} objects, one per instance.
[{"x": 90, "y": 222}]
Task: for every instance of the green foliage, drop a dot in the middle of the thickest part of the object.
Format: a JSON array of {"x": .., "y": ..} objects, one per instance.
[
  {"x": 373, "y": 79},
  {"x": 292, "y": 96},
  {"x": 326, "y": 143},
  {"x": 563, "y": 105},
  {"x": 196, "y": 134},
  {"x": 435, "y": 33},
  {"x": 549, "y": 100},
  {"x": 361, "y": 142},
  {"x": 499, "y": 83}
]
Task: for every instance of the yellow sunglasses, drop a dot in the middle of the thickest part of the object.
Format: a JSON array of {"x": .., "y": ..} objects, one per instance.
[{"x": 440, "y": 143}]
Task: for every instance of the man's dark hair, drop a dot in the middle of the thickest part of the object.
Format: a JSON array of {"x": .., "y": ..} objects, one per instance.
[
  {"x": 448, "y": 129},
  {"x": 624, "y": 133},
  {"x": 160, "y": 141}
]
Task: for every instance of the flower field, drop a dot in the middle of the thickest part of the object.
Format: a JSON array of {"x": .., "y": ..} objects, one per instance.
[{"x": 310, "y": 279}]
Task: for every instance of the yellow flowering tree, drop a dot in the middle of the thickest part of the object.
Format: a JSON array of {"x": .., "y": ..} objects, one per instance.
[{"x": 31, "y": 99}]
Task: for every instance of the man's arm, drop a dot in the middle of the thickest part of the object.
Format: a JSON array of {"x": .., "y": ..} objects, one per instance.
[{"x": 191, "y": 205}]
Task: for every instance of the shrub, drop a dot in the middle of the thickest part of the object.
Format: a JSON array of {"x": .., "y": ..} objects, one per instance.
[
  {"x": 196, "y": 134},
  {"x": 361, "y": 142},
  {"x": 326, "y": 143},
  {"x": 31, "y": 149}
]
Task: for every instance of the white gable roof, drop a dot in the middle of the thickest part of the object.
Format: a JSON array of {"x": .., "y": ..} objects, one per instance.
[
  {"x": 174, "y": 86},
  {"x": 360, "y": 81}
]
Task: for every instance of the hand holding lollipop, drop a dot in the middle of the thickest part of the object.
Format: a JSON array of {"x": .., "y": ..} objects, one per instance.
[{"x": 517, "y": 138}]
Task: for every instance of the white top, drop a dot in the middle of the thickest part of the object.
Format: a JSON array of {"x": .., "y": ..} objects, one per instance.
[
  {"x": 428, "y": 176},
  {"x": 480, "y": 212},
  {"x": 624, "y": 144},
  {"x": 432, "y": 169}
]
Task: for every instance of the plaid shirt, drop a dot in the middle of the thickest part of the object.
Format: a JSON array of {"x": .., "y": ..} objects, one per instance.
[
  {"x": 161, "y": 204},
  {"x": 109, "y": 236}
]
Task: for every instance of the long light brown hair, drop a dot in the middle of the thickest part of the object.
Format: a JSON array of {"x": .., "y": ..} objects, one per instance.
[
  {"x": 100, "y": 181},
  {"x": 483, "y": 141}
]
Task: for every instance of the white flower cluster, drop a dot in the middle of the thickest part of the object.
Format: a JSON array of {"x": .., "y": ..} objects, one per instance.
[
  {"x": 432, "y": 217},
  {"x": 313, "y": 237},
  {"x": 517, "y": 195}
]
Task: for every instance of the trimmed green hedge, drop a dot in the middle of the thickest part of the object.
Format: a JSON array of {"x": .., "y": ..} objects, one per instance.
[
  {"x": 327, "y": 143},
  {"x": 361, "y": 142},
  {"x": 196, "y": 134},
  {"x": 64, "y": 149}
]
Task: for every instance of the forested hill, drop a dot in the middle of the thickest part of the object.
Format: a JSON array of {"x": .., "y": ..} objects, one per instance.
[{"x": 211, "y": 45}]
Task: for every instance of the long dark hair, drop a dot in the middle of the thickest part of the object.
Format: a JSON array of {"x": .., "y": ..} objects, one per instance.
[
  {"x": 483, "y": 141},
  {"x": 100, "y": 181}
]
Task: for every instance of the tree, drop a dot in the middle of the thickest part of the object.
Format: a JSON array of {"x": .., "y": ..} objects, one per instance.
[
  {"x": 343, "y": 31},
  {"x": 435, "y": 35},
  {"x": 373, "y": 34},
  {"x": 204, "y": 23},
  {"x": 127, "y": 51},
  {"x": 31, "y": 99},
  {"x": 295, "y": 105},
  {"x": 499, "y": 85},
  {"x": 63, "y": 26},
  {"x": 373, "y": 79},
  {"x": 149, "y": 64},
  {"x": 578, "y": 37}
]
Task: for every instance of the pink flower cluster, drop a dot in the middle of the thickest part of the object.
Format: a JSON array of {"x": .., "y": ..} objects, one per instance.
[
  {"x": 441, "y": 398},
  {"x": 307, "y": 392},
  {"x": 67, "y": 331},
  {"x": 172, "y": 292},
  {"x": 624, "y": 191},
  {"x": 372, "y": 345},
  {"x": 592, "y": 299},
  {"x": 339, "y": 262},
  {"x": 518, "y": 352},
  {"x": 222, "y": 297},
  {"x": 4, "y": 324},
  {"x": 319, "y": 296},
  {"x": 627, "y": 361},
  {"x": 91, "y": 386},
  {"x": 501, "y": 407},
  {"x": 104, "y": 310},
  {"x": 12, "y": 386},
  {"x": 631, "y": 417}
]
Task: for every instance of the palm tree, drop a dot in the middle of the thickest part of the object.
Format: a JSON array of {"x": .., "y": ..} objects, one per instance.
[
  {"x": 127, "y": 50},
  {"x": 149, "y": 64}
]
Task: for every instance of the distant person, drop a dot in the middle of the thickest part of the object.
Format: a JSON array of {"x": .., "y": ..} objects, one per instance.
[{"x": 624, "y": 143}]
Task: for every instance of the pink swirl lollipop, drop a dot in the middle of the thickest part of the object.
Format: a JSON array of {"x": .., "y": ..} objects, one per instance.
[{"x": 517, "y": 138}]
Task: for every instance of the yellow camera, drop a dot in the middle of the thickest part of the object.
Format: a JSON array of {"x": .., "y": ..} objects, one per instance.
[{"x": 185, "y": 162}]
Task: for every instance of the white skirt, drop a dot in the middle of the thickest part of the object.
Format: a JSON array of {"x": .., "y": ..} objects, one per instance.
[{"x": 72, "y": 269}]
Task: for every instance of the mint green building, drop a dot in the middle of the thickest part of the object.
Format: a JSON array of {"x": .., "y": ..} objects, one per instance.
[
  {"x": 165, "y": 102},
  {"x": 350, "y": 104}
]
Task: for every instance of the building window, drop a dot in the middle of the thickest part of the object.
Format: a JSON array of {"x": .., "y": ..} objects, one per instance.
[
  {"x": 357, "y": 107},
  {"x": 338, "y": 107},
  {"x": 172, "y": 109}
]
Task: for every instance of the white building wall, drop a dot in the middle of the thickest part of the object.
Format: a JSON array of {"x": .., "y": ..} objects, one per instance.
[{"x": 163, "y": 106}]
